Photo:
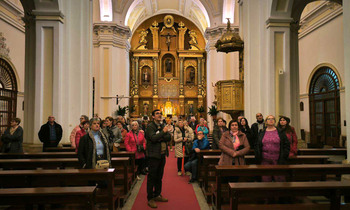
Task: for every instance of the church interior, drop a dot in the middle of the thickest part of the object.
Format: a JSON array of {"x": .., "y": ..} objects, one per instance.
[{"x": 210, "y": 59}]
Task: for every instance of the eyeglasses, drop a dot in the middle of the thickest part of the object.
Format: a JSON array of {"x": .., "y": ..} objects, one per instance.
[
  {"x": 270, "y": 118},
  {"x": 259, "y": 115},
  {"x": 200, "y": 134},
  {"x": 158, "y": 113}
]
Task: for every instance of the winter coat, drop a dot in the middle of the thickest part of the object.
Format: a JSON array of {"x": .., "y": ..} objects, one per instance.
[
  {"x": 154, "y": 136},
  {"x": 123, "y": 132},
  {"x": 117, "y": 136},
  {"x": 178, "y": 139},
  {"x": 12, "y": 143},
  {"x": 217, "y": 136},
  {"x": 293, "y": 140},
  {"x": 87, "y": 154},
  {"x": 284, "y": 148},
  {"x": 249, "y": 134},
  {"x": 80, "y": 133},
  {"x": 130, "y": 143},
  {"x": 255, "y": 132},
  {"x": 228, "y": 151},
  {"x": 44, "y": 135},
  {"x": 204, "y": 129},
  {"x": 73, "y": 135}
]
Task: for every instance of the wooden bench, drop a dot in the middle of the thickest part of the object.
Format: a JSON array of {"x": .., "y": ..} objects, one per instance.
[
  {"x": 209, "y": 162},
  {"x": 332, "y": 189},
  {"x": 67, "y": 177},
  {"x": 47, "y": 155},
  {"x": 49, "y": 195},
  {"x": 332, "y": 151},
  {"x": 59, "y": 149},
  {"x": 292, "y": 172}
]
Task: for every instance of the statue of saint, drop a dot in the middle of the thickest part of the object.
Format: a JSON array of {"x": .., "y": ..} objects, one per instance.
[
  {"x": 192, "y": 76},
  {"x": 168, "y": 66},
  {"x": 145, "y": 76},
  {"x": 190, "y": 109},
  {"x": 145, "y": 109}
]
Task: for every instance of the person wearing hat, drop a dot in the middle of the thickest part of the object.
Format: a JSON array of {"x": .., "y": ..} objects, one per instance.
[{"x": 283, "y": 125}]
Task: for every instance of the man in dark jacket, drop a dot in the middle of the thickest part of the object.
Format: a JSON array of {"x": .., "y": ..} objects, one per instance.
[
  {"x": 157, "y": 136},
  {"x": 257, "y": 127},
  {"x": 50, "y": 133},
  {"x": 219, "y": 129}
]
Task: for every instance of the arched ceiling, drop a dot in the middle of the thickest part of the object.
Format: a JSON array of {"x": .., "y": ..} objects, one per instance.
[{"x": 140, "y": 10}]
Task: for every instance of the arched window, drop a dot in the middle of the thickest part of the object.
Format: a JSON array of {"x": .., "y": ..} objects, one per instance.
[
  {"x": 324, "y": 108},
  {"x": 8, "y": 94}
]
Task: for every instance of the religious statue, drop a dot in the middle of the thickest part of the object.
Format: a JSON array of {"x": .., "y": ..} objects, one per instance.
[
  {"x": 143, "y": 40},
  {"x": 145, "y": 109},
  {"x": 190, "y": 109},
  {"x": 193, "y": 40},
  {"x": 192, "y": 75},
  {"x": 168, "y": 64},
  {"x": 145, "y": 76}
]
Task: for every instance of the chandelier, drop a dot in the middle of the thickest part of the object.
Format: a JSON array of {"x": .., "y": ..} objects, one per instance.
[{"x": 229, "y": 41}]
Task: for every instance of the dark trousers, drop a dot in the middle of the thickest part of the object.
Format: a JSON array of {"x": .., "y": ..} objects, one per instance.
[
  {"x": 155, "y": 176},
  {"x": 140, "y": 165},
  {"x": 179, "y": 163},
  {"x": 192, "y": 166}
]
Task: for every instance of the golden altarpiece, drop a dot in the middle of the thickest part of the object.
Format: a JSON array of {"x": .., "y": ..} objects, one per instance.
[{"x": 167, "y": 67}]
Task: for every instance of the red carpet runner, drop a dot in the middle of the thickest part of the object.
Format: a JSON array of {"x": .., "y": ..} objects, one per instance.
[{"x": 176, "y": 188}]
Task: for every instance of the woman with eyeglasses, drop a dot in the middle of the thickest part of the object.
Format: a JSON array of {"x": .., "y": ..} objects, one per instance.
[{"x": 272, "y": 148}]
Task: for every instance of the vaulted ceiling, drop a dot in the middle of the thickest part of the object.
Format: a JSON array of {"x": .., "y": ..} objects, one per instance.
[{"x": 139, "y": 10}]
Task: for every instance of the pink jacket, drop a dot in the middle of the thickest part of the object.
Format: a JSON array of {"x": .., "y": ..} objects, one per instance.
[
  {"x": 78, "y": 135},
  {"x": 72, "y": 135},
  {"x": 130, "y": 143}
]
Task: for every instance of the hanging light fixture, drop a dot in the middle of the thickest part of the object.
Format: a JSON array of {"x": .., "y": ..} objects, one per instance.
[{"x": 229, "y": 41}]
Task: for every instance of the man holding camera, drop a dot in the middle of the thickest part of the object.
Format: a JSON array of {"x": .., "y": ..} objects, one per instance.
[{"x": 157, "y": 136}]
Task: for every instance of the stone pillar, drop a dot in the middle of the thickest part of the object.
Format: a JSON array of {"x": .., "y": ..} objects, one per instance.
[
  {"x": 155, "y": 82},
  {"x": 111, "y": 67},
  {"x": 346, "y": 28},
  {"x": 294, "y": 78},
  {"x": 182, "y": 31},
  {"x": 154, "y": 29},
  {"x": 43, "y": 70}
]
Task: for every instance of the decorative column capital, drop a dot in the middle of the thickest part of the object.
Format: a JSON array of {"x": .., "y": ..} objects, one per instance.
[
  {"x": 4, "y": 50},
  {"x": 111, "y": 34}
]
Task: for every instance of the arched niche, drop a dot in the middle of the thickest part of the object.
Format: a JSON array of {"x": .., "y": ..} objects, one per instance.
[
  {"x": 146, "y": 75},
  {"x": 190, "y": 75},
  {"x": 168, "y": 65}
]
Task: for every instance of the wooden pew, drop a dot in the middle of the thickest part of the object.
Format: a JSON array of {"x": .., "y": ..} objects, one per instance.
[
  {"x": 67, "y": 177},
  {"x": 332, "y": 189},
  {"x": 331, "y": 151},
  {"x": 46, "y": 155},
  {"x": 292, "y": 172},
  {"x": 122, "y": 179},
  {"x": 59, "y": 149},
  {"x": 208, "y": 163},
  {"x": 49, "y": 195}
]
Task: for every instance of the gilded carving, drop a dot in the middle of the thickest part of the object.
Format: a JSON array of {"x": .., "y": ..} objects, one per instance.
[
  {"x": 143, "y": 40},
  {"x": 193, "y": 40}
]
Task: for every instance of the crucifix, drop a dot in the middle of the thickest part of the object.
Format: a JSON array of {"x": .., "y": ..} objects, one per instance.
[{"x": 168, "y": 39}]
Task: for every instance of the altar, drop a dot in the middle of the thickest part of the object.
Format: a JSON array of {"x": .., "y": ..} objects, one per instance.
[{"x": 168, "y": 72}]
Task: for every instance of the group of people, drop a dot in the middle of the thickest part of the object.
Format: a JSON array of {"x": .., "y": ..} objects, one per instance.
[{"x": 95, "y": 140}]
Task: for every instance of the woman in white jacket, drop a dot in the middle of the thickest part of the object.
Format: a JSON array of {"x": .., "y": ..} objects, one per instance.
[{"x": 183, "y": 136}]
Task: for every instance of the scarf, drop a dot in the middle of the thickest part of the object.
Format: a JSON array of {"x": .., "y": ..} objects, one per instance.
[{"x": 235, "y": 139}]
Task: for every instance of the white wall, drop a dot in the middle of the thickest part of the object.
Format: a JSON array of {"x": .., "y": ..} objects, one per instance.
[
  {"x": 15, "y": 41},
  {"x": 323, "y": 45}
]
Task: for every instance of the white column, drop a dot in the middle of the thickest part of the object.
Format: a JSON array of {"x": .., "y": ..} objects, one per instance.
[
  {"x": 111, "y": 67},
  {"x": 43, "y": 70},
  {"x": 346, "y": 28}
]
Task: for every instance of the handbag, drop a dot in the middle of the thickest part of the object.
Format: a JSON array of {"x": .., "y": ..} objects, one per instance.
[
  {"x": 138, "y": 146},
  {"x": 102, "y": 164}
]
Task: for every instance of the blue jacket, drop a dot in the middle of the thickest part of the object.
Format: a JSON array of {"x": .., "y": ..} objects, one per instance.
[{"x": 201, "y": 144}]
